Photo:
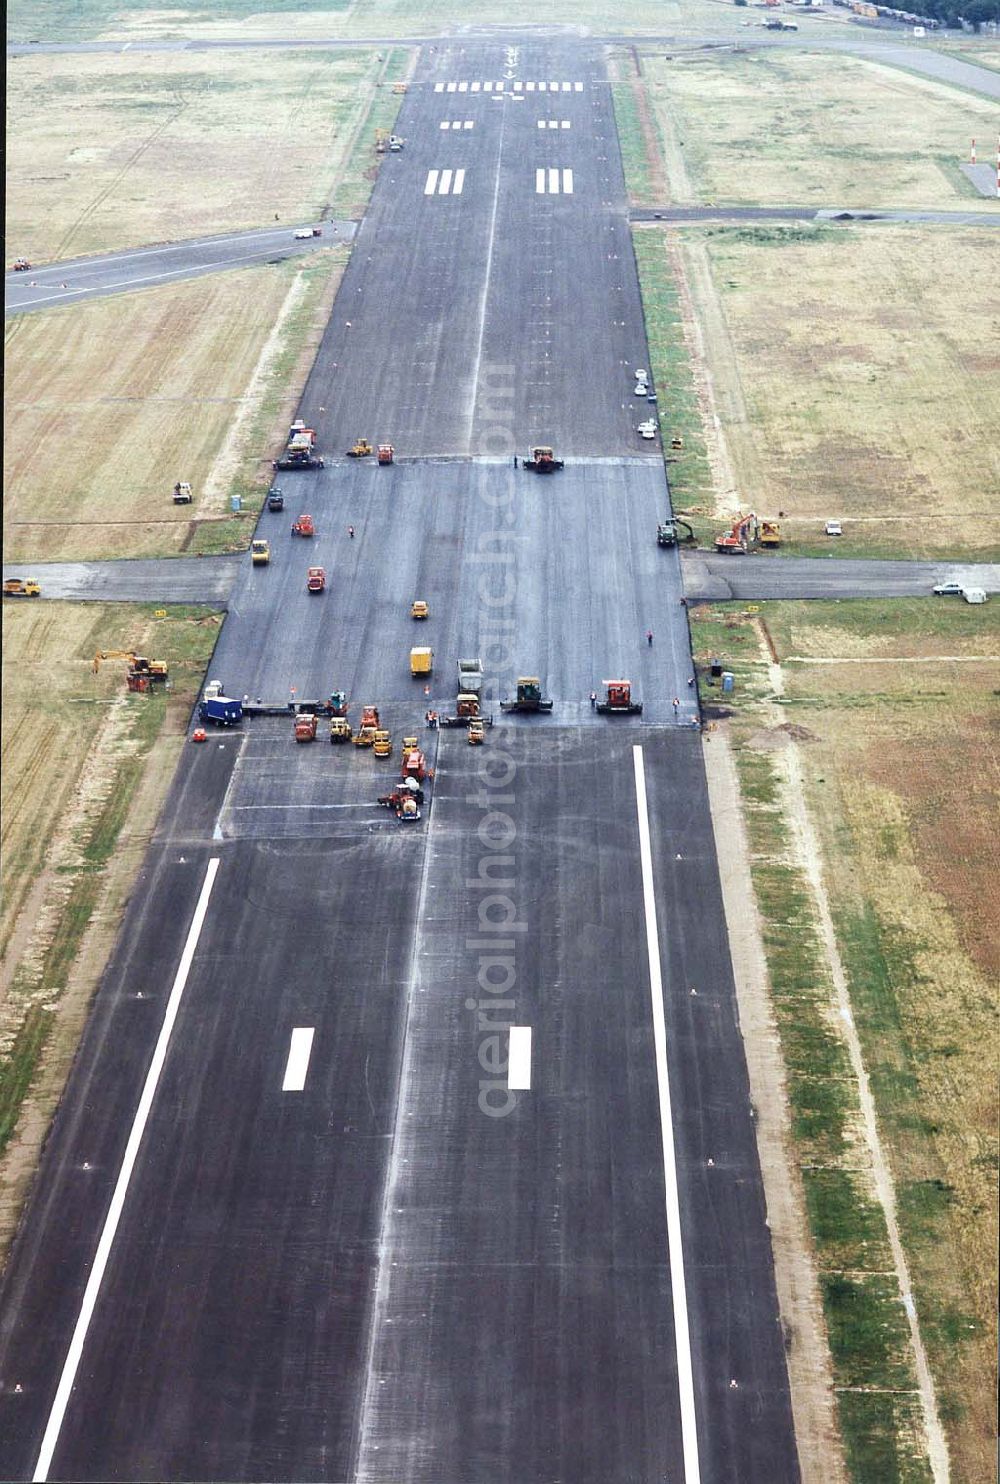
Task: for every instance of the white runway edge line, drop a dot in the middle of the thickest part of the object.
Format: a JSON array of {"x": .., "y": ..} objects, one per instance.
[
  {"x": 682, "y": 1337},
  {"x": 519, "y": 1059},
  {"x": 299, "y": 1052},
  {"x": 90, "y": 1296}
]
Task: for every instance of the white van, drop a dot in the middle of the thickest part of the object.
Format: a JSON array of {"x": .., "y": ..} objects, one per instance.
[{"x": 974, "y": 594}]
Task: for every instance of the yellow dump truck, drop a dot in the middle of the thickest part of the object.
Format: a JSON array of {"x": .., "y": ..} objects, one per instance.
[{"x": 421, "y": 661}]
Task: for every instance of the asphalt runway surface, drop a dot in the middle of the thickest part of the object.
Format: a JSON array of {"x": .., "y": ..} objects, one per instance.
[
  {"x": 79, "y": 279},
  {"x": 356, "y": 1241},
  {"x": 716, "y": 577}
]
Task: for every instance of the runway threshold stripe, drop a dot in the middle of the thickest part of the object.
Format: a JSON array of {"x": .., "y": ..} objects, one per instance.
[
  {"x": 519, "y": 1059},
  {"x": 682, "y": 1336},
  {"x": 430, "y": 184},
  {"x": 456, "y": 189},
  {"x": 92, "y": 1291},
  {"x": 299, "y": 1052},
  {"x": 539, "y": 182},
  {"x": 567, "y": 182}
]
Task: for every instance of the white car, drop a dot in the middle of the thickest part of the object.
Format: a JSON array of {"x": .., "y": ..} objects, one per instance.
[
  {"x": 647, "y": 429},
  {"x": 948, "y": 590},
  {"x": 303, "y": 234},
  {"x": 833, "y": 528}
]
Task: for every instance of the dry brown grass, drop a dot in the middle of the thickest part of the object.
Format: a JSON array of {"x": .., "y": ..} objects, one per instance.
[
  {"x": 108, "y": 403},
  {"x": 785, "y": 127},
  {"x": 902, "y": 768},
  {"x": 111, "y": 151},
  {"x": 852, "y": 381}
]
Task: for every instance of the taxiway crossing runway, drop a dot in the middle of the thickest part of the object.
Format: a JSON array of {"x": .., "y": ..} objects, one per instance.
[{"x": 379, "y": 1261}]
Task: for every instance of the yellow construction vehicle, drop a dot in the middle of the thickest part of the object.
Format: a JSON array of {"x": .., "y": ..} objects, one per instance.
[
  {"x": 770, "y": 533},
  {"x": 419, "y": 609},
  {"x": 138, "y": 664},
  {"x": 382, "y": 744},
  {"x": 21, "y": 587},
  {"x": 360, "y": 449},
  {"x": 260, "y": 553},
  {"x": 381, "y": 140},
  {"x": 477, "y": 731},
  {"x": 340, "y": 730},
  {"x": 399, "y": 87}
]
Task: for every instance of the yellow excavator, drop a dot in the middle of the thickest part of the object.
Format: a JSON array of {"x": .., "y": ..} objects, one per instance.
[{"x": 138, "y": 663}]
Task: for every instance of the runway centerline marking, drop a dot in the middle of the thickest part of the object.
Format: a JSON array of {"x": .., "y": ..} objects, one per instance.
[
  {"x": 675, "y": 1248},
  {"x": 93, "y": 1289},
  {"x": 519, "y": 1059},
  {"x": 299, "y": 1052}
]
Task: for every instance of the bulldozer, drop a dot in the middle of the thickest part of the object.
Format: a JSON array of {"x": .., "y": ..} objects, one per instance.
[
  {"x": 360, "y": 449},
  {"x": 618, "y": 699},
  {"x": 543, "y": 461},
  {"x": 529, "y": 696},
  {"x": 138, "y": 663},
  {"x": 365, "y": 735}
]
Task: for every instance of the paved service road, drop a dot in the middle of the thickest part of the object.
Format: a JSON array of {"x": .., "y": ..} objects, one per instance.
[
  {"x": 166, "y": 580},
  {"x": 713, "y": 577},
  {"x": 76, "y": 279},
  {"x": 679, "y": 215},
  {"x": 403, "y": 1207}
]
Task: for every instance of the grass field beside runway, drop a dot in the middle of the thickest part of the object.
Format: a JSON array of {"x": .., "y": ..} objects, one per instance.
[
  {"x": 108, "y": 403},
  {"x": 844, "y": 384},
  {"x": 777, "y": 128},
  {"x": 112, "y": 151},
  {"x": 899, "y": 774},
  {"x": 79, "y": 799}
]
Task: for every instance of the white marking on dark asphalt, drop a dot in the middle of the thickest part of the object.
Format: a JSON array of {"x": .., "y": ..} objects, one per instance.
[
  {"x": 553, "y": 182},
  {"x": 519, "y": 1059},
  {"x": 675, "y": 1248},
  {"x": 439, "y": 87},
  {"x": 93, "y": 1288},
  {"x": 430, "y": 185},
  {"x": 567, "y": 182},
  {"x": 299, "y": 1052},
  {"x": 456, "y": 189},
  {"x": 445, "y": 184}
]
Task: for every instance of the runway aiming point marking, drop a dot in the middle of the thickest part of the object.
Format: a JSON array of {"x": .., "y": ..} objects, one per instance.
[
  {"x": 299, "y": 1051},
  {"x": 519, "y": 1059}
]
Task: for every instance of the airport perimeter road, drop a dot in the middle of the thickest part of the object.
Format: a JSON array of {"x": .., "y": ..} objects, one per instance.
[
  {"x": 76, "y": 279},
  {"x": 331, "y": 1259}
]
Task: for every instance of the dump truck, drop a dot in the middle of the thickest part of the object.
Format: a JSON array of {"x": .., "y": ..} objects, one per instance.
[
  {"x": 340, "y": 730},
  {"x": 360, "y": 449},
  {"x": 529, "y": 696},
  {"x": 303, "y": 526},
  {"x": 386, "y": 454},
  {"x": 305, "y": 726},
  {"x": 414, "y": 763},
  {"x": 421, "y": 661},
  {"x": 668, "y": 532},
  {"x": 618, "y": 699},
  {"x": 300, "y": 449},
  {"x": 21, "y": 587},
  {"x": 315, "y": 580},
  {"x": 182, "y": 493},
  {"x": 221, "y": 711},
  {"x": 543, "y": 461},
  {"x": 260, "y": 553},
  {"x": 470, "y": 676}
]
